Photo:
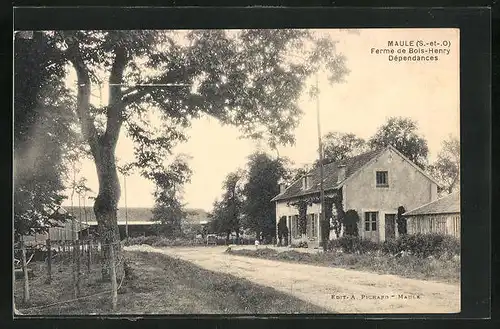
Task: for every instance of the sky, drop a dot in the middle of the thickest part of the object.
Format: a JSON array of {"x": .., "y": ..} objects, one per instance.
[{"x": 375, "y": 89}]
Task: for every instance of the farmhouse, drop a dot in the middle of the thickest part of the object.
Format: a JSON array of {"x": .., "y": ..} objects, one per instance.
[
  {"x": 375, "y": 184},
  {"x": 439, "y": 216}
]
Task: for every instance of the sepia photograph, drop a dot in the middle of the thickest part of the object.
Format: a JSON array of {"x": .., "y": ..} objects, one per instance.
[{"x": 236, "y": 172}]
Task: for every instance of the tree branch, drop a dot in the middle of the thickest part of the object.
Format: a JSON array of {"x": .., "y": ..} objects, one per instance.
[
  {"x": 134, "y": 97},
  {"x": 115, "y": 109},
  {"x": 89, "y": 130}
]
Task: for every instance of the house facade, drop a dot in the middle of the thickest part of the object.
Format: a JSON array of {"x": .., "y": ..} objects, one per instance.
[
  {"x": 374, "y": 184},
  {"x": 440, "y": 216}
]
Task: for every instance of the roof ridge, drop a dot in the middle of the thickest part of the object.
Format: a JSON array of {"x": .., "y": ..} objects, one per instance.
[
  {"x": 350, "y": 162},
  {"x": 356, "y": 156},
  {"x": 431, "y": 202}
]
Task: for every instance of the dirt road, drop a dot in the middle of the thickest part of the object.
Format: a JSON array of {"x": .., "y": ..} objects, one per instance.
[{"x": 338, "y": 290}]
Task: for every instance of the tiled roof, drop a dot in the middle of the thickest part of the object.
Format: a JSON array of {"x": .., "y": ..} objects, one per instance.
[
  {"x": 331, "y": 171},
  {"x": 134, "y": 214},
  {"x": 449, "y": 204}
]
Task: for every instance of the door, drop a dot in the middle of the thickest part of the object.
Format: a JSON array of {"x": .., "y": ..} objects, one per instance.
[
  {"x": 390, "y": 226},
  {"x": 371, "y": 229}
]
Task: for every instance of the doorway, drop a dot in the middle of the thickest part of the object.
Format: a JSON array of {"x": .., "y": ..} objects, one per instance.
[{"x": 390, "y": 226}]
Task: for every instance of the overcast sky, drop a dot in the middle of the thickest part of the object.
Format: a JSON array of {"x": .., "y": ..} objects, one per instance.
[{"x": 375, "y": 89}]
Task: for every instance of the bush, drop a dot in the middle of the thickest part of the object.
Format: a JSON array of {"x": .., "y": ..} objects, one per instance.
[
  {"x": 301, "y": 244},
  {"x": 391, "y": 247},
  {"x": 351, "y": 220},
  {"x": 162, "y": 241},
  {"x": 333, "y": 244},
  {"x": 354, "y": 244},
  {"x": 423, "y": 245},
  {"x": 149, "y": 240}
]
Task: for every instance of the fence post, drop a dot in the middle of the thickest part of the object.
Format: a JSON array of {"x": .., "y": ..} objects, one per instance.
[
  {"x": 26, "y": 296},
  {"x": 77, "y": 260},
  {"x": 73, "y": 269},
  {"x": 89, "y": 258},
  {"x": 63, "y": 242},
  {"x": 114, "y": 291},
  {"x": 49, "y": 262}
]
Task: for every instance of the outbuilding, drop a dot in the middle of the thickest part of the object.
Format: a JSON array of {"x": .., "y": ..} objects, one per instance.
[{"x": 440, "y": 216}]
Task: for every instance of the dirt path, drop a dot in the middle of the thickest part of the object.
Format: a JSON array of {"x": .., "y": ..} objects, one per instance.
[{"x": 338, "y": 290}]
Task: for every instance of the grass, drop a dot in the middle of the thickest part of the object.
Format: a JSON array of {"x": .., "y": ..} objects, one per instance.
[
  {"x": 444, "y": 270},
  {"x": 162, "y": 285}
]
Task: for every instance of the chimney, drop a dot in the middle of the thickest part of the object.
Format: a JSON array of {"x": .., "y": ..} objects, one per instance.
[
  {"x": 306, "y": 181},
  {"x": 341, "y": 173}
]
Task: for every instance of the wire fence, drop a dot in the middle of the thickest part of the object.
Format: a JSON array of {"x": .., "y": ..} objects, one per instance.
[{"x": 64, "y": 265}]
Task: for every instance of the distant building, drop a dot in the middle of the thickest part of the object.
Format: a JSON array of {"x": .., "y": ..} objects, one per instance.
[
  {"x": 439, "y": 216},
  {"x": 62, "y": 232},
  {"x": 374, "y": 184},
  {"x": 138, "y": 219}
]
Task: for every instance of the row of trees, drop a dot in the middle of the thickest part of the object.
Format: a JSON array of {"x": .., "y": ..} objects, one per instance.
[
  {"x": 245, "y": 203},
  {"x": 246, "y": 200},
  {"x": 243, "y": 78},
  {"x": 46, "y": 137}
]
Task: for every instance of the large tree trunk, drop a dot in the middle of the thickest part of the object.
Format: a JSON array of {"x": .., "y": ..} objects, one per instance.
[
  {"x": 105, "y": 206},
  {"x": 102, "y": 145}
]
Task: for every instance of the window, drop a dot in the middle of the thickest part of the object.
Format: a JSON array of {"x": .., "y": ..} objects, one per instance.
[
  {"x": 313, "y": 222},
  {"x": 296, "y": 226},
  {"x": 305, "y": 182},
  {"x": 382, "y": 179},
  {"x": 370, "y": 221}
]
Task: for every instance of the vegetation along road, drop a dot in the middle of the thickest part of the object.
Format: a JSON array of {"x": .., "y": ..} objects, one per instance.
[{"x": 335, "y": 289}]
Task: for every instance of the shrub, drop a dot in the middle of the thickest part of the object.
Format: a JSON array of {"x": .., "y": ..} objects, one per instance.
[
  {"x": 162, "y": 241},
  {"x": 424, "y": 245},
  {"x": 354, "y": 244},
  {"x": 333, "y": 244},
  {"x": 391, "y": 247},
  {"x": 149, "y": 240},
  {"x": 351, "y": 220},
  {"x": 301, "y": 244}
]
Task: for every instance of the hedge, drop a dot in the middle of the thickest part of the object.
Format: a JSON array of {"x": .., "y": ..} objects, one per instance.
[{"x": 420, "y": 245}]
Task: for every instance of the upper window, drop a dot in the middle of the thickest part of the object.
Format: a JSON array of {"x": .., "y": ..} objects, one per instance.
[{"x": 382, "y": 179}]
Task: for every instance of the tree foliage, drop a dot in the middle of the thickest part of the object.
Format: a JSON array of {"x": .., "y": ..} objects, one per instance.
[
  {"x": 264, "y": 174},
  {"x": 351, "y": 220},
  {"x": 401, "y": 221},
  {"x": 45, "y": 135},
  {"x": 282, "y": 231},
  {"x": 402, "y": 133},
  {"x": 447, "y": 166},
  {"x": 227, "y": 212},
  {"x": 340, "y": 146},
  {"x": 292, "y": 174},
  {"x": 168, "y": 210},
  {"x": 159, "y": 81}
]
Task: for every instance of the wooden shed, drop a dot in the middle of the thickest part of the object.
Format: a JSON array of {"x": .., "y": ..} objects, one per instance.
[{"x": 439, "y": 216}]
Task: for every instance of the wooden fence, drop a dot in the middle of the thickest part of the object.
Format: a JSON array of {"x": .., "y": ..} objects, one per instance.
[
  {"x": 445, "y": 224},
  {"x": 84, "y": 257}
]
